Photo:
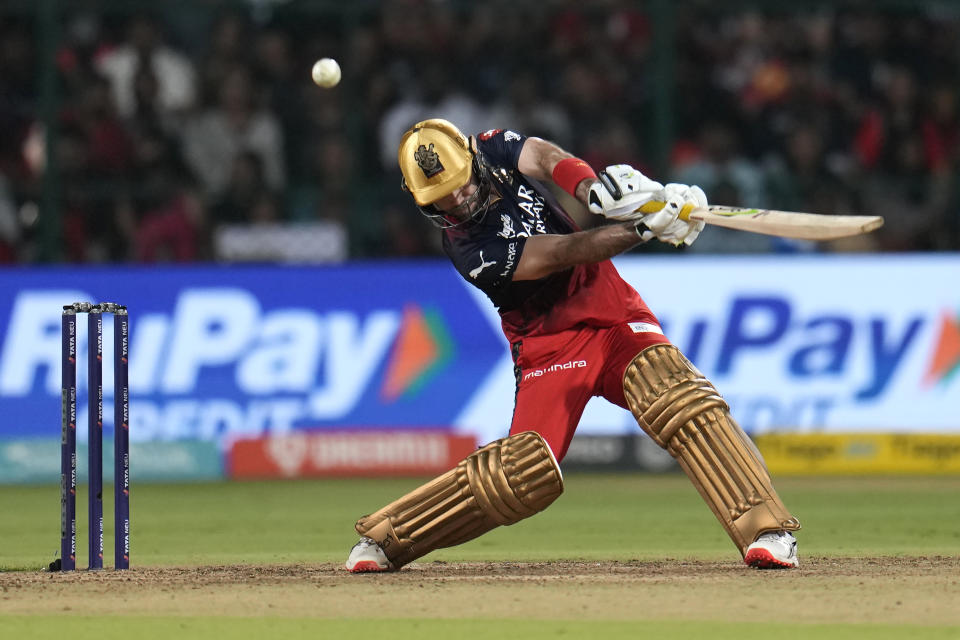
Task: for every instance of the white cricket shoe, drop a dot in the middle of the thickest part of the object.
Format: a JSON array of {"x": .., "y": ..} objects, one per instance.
[
  {"x": 367, "y": 557},
  {"x": 773, "y": 550}
]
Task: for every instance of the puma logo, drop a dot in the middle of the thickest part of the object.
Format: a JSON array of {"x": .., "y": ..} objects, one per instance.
[{"x": 483, "y": 265}]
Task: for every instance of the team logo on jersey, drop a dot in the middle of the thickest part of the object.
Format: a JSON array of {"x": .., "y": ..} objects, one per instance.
[
  {"x": 510, "y": 136},
  {"x": 428, "y": 160}
]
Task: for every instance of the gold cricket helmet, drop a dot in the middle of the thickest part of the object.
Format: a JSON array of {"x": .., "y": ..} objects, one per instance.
[{"x": 435, "y": 159}]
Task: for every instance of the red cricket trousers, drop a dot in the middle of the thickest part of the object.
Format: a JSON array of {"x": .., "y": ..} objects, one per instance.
[{"x": 557, "y": 374}]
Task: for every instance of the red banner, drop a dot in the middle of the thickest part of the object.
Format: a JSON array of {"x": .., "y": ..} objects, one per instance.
[{"x": 348, "y": 453}]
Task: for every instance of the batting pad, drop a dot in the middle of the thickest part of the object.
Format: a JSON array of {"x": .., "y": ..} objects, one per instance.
[
  {"x": 500, "y": 484},
  {"x": 682, "y": 411}
]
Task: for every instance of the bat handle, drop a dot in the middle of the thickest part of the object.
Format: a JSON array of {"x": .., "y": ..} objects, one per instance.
[{"x": 653, "y": 206}]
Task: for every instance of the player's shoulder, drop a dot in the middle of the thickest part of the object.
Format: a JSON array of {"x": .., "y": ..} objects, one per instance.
[
  {"x": 499, "y": 137},
  {"x": 500, "y": 146},
  {"x": 506, "y": 135}
]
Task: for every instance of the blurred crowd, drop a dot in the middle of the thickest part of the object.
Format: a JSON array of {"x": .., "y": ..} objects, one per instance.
[{"x": 195, "y": 133}]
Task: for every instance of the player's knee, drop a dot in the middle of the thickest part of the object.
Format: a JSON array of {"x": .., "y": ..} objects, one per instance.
[
  {"x": 678, "y": 407},
  {"x": 514, "y": 478},
  {"x": 665, "y": 391},
  {"x": 500, "y": 484}
]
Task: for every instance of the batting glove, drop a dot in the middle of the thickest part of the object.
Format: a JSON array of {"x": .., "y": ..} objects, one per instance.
[{"x": 620, "y": 191}]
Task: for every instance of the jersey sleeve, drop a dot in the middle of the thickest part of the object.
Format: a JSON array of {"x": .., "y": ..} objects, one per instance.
[
  {"x": 490, "y": 265},
  {"x": 501, "y": 147}
]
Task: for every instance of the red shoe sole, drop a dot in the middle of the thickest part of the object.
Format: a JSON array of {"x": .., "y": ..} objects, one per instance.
[
  {"x": 763, "y": 559},
  {"x": 367, "y": 566}
]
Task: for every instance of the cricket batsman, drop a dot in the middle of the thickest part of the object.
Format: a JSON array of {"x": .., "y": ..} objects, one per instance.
[{"x": 576, "y": 329}]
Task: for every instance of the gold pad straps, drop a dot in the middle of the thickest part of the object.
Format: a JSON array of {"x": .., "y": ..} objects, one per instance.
[
  {"x": 678, "y": 407},
  {"x": 500, "y": 484}
]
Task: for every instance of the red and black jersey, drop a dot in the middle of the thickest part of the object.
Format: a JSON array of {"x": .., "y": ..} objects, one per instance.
[{"x": 486, "y": 254}]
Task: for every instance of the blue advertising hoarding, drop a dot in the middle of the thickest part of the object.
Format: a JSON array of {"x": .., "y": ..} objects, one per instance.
[
  {"x": 243, "y": 351},
  {"x": 817, "y": 343}
]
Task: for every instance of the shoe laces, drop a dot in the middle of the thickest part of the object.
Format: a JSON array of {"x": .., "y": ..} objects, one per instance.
[
  {"x": 780, "y": 536},
  {"x": 364, "y": 543}
]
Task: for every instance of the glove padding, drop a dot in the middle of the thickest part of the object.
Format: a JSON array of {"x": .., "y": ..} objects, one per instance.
[
  {"x": 666, "y": 225},
  {"x": 620, "y": 192}
]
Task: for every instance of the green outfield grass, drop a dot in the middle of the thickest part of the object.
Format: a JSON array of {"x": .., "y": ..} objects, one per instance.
[
  {"x": 599, "y": 517},
  {"x": 602, "y": 517},
  {"x": 244, "y": 629}
]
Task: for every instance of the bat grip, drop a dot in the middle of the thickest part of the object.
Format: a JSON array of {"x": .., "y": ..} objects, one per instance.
[{"x": 653, "y": 206}]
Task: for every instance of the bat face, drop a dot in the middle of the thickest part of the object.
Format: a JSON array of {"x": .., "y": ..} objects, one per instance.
[
  {"x": 730, "y": 211},
  {"x": 784, "y": 224},
  {"x": 787, "y": 224}
]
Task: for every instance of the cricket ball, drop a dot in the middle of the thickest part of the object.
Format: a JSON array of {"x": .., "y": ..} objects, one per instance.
[{"x": 326, "y": 73}]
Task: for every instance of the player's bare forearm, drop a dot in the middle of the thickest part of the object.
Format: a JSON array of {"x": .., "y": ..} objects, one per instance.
[
  {"x": 546, "y": 254},
  {"x": 583, "y": 190},
  {"x": 539, "y": 158}
]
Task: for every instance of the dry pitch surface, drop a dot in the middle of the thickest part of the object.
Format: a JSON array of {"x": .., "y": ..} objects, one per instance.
[{"x": 882, "y": 590}]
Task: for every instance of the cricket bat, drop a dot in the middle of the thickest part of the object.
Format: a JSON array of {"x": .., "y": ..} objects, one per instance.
[{"x": 785, "y": 224}]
